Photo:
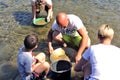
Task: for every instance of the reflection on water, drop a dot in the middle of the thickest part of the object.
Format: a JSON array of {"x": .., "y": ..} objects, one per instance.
[{"x": 15, "y": 23}]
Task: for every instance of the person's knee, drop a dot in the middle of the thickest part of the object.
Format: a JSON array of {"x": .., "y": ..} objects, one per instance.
[
  {"x": 46, "y": 67},
  {"x": 41, "y": 57},
  {"x": 46, "y": 64}
]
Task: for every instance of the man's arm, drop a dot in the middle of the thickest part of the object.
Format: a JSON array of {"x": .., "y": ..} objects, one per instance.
[
  {"x": 80, "y": 65},
  {"x": 83, "y": 43},
  {"x": 50, "y": 41}
]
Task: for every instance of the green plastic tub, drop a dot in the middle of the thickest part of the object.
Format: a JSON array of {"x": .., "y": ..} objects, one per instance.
[{"x": 39, "y": 22}]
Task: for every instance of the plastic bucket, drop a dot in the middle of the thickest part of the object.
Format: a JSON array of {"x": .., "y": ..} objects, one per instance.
[{"x": 61, "y": 70}]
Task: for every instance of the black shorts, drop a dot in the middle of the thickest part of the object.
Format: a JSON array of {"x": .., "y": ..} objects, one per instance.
[{"x": 46, "y": 9}]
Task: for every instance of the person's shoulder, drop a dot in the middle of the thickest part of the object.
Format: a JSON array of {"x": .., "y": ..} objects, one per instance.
[
  {"x": 73, "y": 17},
  {"x": 54, "y": 23},
  {"x": 95, "y": 46},
  {"x": 22, "y": 53},
  {"x": 115, "y": 47},
  {"x": 116, "y": 51}
]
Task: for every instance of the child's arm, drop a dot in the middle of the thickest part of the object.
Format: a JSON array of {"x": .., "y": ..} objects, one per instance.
[{"x": 35, "y": 64}]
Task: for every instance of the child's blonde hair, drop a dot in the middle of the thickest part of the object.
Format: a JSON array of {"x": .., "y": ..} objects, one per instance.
[{"x": 105, "y": 31}]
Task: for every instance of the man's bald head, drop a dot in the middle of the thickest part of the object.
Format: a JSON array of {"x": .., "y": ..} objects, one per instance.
[{"x": 62, "y": 19}]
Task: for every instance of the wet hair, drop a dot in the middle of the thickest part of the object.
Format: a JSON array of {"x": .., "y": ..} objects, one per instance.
[
  {"x": 30, "y": 41},
  {"x": 105, "y": 31}
]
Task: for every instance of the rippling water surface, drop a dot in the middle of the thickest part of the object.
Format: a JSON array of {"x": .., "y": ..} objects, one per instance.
[{"x": 15, "y": 24}]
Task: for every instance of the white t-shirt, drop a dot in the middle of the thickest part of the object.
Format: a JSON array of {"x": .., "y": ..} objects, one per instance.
[
  {"x": 48, "y": 2},
  {"x": 104, "y": 60},
  {"x": 75, "y": 24}
]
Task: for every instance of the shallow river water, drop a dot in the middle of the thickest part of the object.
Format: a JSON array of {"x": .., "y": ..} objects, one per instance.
[{"x": 15, "y": 24}]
